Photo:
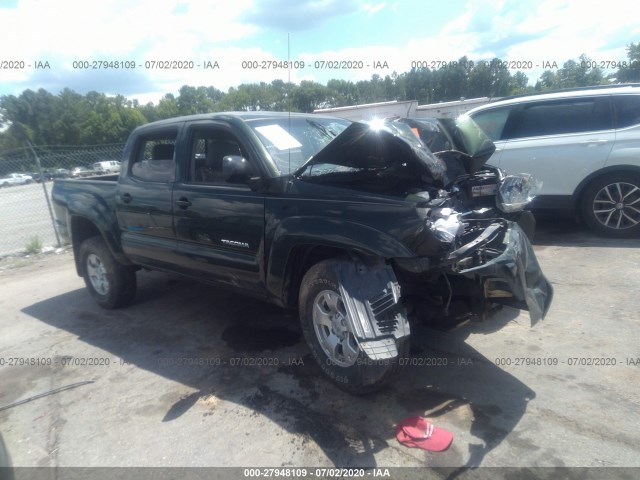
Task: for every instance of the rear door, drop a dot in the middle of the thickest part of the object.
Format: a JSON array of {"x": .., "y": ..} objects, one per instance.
[
  {"x": 219, "y": 222},
  {"x": 627, "y": 120},
  {"x": 144, "y": 200}
]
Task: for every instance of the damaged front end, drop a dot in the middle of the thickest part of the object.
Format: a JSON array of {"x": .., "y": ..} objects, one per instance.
[
  {"x": 512, "y": 277},
  {"x": 371, "y": 296},
  {"x": 495, "y": 267},
  {"x": 472, "y": 233}
]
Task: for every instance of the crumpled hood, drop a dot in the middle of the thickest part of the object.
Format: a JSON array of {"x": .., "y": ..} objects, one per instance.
[
  {"x": 459, "y": 135},
  {"x": 362, "y": 147}
]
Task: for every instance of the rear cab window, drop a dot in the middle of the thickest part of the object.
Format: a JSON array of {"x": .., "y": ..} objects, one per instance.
[{"x": 154, "y": 160}]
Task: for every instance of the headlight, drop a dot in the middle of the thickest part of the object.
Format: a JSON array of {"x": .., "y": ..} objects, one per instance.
[{"x": 516, "y": 191}]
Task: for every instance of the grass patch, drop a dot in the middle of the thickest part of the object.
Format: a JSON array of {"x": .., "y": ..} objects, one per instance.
[{"x": 34, "y": 245}]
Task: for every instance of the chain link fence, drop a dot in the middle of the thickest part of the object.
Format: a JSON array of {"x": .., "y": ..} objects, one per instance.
[{"x": 26, "y": 179}]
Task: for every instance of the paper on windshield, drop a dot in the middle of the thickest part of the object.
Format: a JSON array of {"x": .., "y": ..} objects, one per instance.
[{"x": 279, "y": 137}]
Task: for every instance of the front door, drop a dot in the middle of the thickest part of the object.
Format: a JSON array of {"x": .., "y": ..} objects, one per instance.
[{"x": 219, "y": 222}]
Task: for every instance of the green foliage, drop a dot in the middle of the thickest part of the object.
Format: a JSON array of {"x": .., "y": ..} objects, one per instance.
[
  {"x": 70, "y": 118},
  {"x": 34, "y": 245},
  {"x": 631, "y": 71},
  {"x": 581, "y": 73}
]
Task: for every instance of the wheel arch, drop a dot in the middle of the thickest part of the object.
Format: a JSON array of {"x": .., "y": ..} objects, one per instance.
[
  {"x": 300, "y": 242},
  {"x": 582, "y": 186},
  {"x": 81, "y": 228},
  {"x": 302, "y": 258}
]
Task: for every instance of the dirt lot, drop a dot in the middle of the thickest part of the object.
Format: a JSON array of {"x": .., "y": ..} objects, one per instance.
[{"x": 191, "y": 376}]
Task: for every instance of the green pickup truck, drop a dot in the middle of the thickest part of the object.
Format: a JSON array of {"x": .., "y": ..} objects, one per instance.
[{"x": 359, "y": 226}]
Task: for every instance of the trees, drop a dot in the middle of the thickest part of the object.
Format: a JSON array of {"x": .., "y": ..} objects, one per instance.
[
  {"x": 581, "y": 73},
  {"x": 67, "y": 118},
  {"x": 93, "y": 118},
  {"x": 631, "y": 71},
  {"x": 308, "y": 96}
]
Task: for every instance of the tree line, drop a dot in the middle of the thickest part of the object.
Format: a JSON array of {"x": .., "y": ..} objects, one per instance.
[{"x": 70, "y": 118}]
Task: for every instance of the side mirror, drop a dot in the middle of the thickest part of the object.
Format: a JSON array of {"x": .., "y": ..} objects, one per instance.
[{"x": 235, "y": 169}]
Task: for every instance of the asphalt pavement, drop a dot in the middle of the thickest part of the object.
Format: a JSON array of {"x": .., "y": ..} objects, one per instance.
[{"x": 191, "y": 376}]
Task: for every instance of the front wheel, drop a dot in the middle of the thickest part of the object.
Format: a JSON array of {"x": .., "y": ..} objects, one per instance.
[
  {"x": 111, "y": 284},
  {"x": 611, "y": 205},
  {"x": 327, "y": 331}
]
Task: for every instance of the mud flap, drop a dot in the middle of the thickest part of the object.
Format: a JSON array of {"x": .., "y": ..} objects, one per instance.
[
  {"x": 371, "y": 295},
  {"x": 517, "y": 267}
]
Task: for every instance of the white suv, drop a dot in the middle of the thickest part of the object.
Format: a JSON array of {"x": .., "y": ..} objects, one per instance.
[
  {"x": 106, "y": 166},
  {"x": 584, "y": 144}
]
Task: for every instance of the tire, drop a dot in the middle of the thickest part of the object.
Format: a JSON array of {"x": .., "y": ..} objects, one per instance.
[
  {"x": 354, "y": 372},
  {"x": 611, "y": 205},
  {"x": 111, "y": 284}
]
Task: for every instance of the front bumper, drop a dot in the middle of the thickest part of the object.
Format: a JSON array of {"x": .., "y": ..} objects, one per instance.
[{"x": 514, "y": 276}]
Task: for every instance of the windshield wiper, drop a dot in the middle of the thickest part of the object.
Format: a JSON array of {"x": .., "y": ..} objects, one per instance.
[{"x": 327, "y": 133}]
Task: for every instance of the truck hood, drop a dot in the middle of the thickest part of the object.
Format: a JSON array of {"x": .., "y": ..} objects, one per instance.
[
  {"x": 380, "y": 145},
  {"x": 446, "y": 136}
]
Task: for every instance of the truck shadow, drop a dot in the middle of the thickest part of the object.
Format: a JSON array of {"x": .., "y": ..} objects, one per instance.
[{"x": 233, "y": 349}]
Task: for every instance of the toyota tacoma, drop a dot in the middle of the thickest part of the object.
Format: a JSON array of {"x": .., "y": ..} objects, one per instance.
[{"x": 358, "y": 226}]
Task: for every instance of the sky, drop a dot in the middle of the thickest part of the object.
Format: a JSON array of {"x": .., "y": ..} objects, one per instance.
[{"x": 57, "y": 44}]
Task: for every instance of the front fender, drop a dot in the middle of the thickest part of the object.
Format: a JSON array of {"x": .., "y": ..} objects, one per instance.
[{"x": 325, "y": 232}]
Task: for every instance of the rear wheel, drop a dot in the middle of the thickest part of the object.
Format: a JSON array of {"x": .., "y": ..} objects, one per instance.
[
  {"x": 611, "y": 205},
  {"x": 327, "y": 330},
  {"x": 111, "y": 284}
]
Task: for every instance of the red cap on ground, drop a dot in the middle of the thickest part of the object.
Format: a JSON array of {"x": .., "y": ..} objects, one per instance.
[{"x": 419, "y": 432}]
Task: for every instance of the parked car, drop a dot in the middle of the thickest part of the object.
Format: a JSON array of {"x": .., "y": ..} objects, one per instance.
[
  {"x": 78, "y": 172},
  {"x": 351, "y": 224},
  {"x": 52, "y": 174},
  {"x": 37, "y": 176},
  {"x": 583, "y": 144},
  {"x": 15, "y": 179},
  {"x": 106, "y": 167}
]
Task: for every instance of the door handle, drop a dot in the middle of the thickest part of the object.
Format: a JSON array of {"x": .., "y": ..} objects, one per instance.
[
  {"x": 594, "y": 142},
  {"x": 183, "y": 203},
  {"x": 126, "y": 197}
]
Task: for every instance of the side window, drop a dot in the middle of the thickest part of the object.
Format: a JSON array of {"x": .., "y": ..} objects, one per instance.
[
  {"x": 155, "y": 160},
  {"x": 217, "y": 158},
  {"x": 627, "y": 110},
  {"x": 493, "y": 121},
  {"x": 562, "y": 116}
]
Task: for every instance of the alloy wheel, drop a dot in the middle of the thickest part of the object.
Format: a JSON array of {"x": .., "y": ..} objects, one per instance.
[
  {"x": 332, "y": 329},
  {"x": 617, "y": 205},
  {"x": 97, "y": 274}
]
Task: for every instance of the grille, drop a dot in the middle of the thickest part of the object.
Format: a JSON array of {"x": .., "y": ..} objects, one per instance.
[{"x": 383, "y": 308}]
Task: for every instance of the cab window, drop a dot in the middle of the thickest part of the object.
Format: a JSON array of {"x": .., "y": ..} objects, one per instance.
[
  {"x": 155, "y": 158},
  {"x": 217, "y": 157}
]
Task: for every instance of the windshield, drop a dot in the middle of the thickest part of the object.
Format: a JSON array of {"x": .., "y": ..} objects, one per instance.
[{"x": 292, "y": 141}]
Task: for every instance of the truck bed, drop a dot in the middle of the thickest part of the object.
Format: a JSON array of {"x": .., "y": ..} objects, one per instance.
[{"x": 91, "y": 198}]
